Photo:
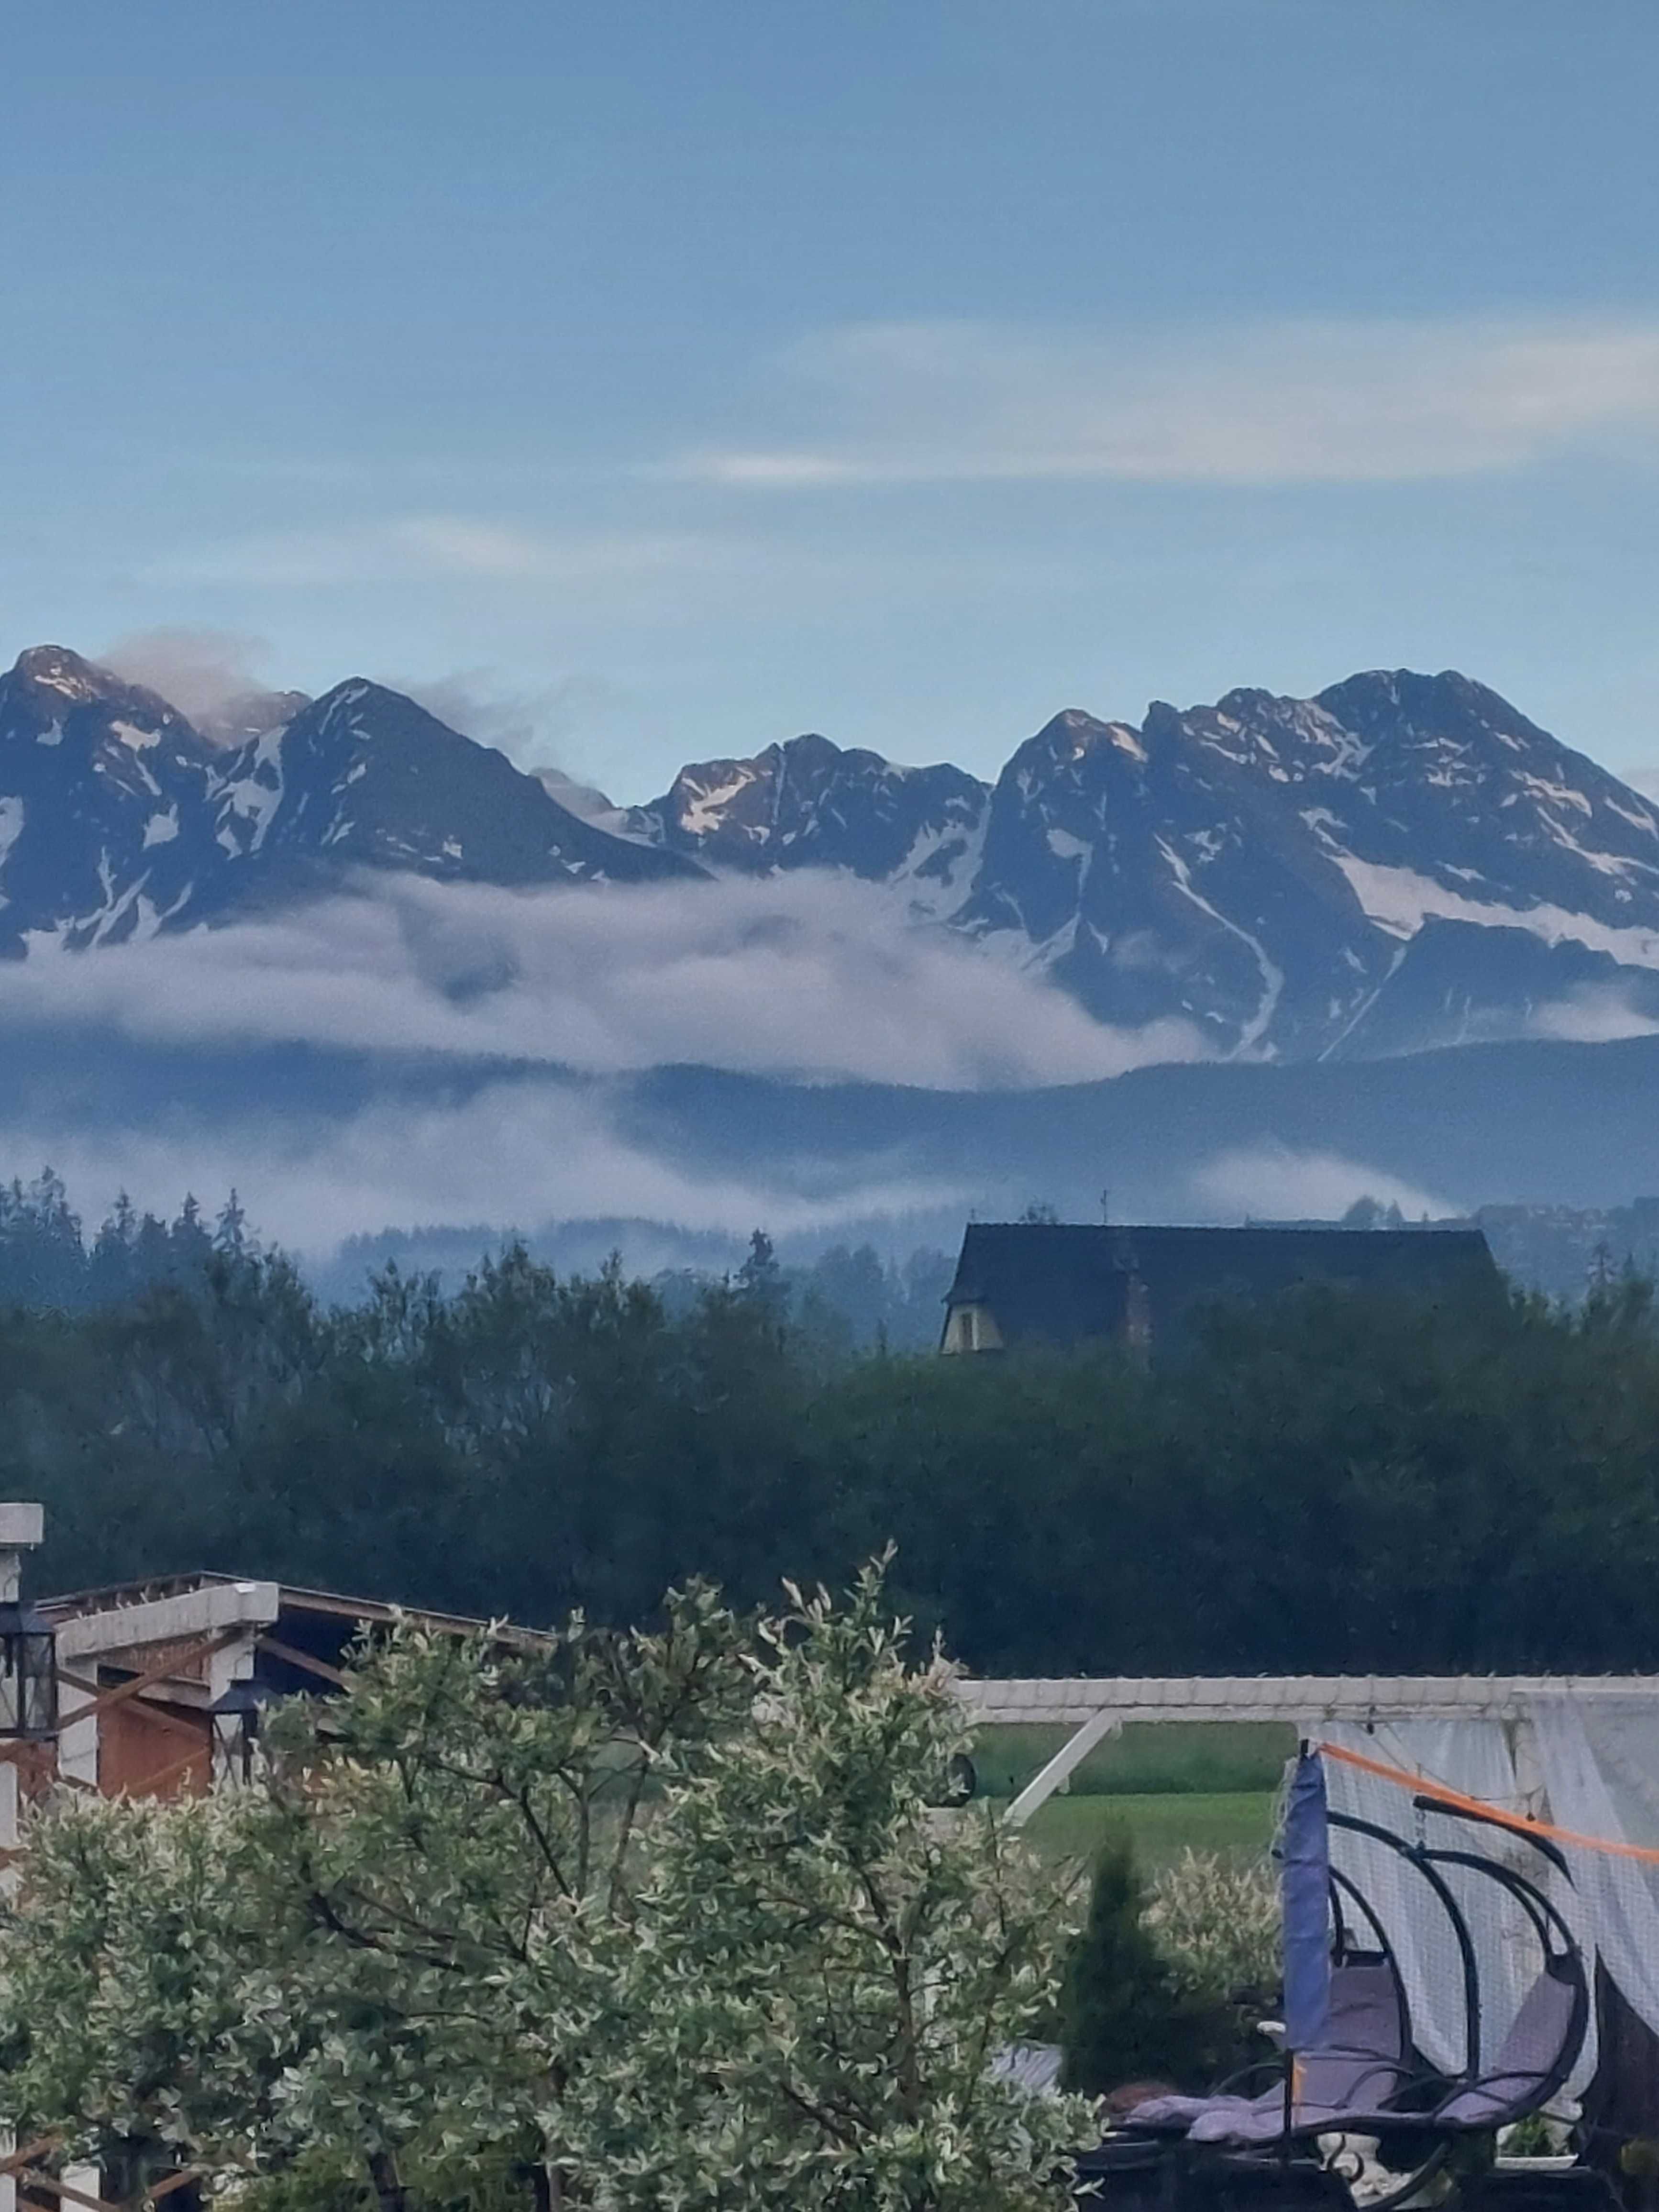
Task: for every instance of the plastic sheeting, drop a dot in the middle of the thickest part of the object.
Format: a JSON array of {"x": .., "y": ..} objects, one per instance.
[
  {"x": 1599, "y": 1763},
  {"x": 1475, "y": 1758}
]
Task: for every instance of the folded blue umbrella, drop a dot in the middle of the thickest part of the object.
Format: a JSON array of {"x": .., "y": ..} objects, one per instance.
[{"x": 1304, "y": 1888}]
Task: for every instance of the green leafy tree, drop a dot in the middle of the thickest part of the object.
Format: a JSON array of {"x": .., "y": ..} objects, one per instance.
[
  {"x": 139, "y": 1963},
  {"x": 605, "y": 1921},
  {"x": 468, "y": 1826},
  {"x": 1217, "y": 1925},
  {"x": 839, "y": 1960}
]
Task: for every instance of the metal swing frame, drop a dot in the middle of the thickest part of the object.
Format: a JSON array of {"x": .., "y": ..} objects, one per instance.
[{"x": 1188, "y": 2172}]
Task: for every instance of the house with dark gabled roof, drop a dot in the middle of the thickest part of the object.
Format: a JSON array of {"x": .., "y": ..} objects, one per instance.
[{"x": 1061, "y": 1283}]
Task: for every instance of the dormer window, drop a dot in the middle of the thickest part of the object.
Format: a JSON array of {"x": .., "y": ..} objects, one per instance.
[{"x": 972, "y": 1328}]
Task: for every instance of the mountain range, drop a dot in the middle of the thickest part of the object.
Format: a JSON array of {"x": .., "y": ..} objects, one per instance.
[{"x": 1400, "y": 863}]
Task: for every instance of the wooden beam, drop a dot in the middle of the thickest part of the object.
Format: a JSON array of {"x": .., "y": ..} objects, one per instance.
[
  {"x": 303, "y": 1660},
  {"x": 157, "y": 1716},
  {"x": 36, "y": 2178},
  {"x": 82, "y": 1635},
  {"x": 106, "y": 1700},
  {"x": 173, "y": 2181},
  {"x": 152, "y": 1783},
  {"x": 1304, "y": 1700},
  {"x": 15, "y": 2161},
  {"x": 1071, "y": 1753}
]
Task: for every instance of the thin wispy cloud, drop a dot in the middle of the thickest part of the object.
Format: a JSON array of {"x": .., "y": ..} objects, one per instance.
[
  {"x": 534, "y": 724},
  {"x": 430, "y": 548},
  {"x": 196, "y": 670},
  {"x": 1303, "y": 401}
]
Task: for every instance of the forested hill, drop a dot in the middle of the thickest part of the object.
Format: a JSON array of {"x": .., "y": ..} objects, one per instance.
[{"x": 1330, "y": 1483}]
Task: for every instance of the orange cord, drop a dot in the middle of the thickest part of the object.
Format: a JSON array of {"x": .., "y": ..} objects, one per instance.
[{"x": 1422, "y": 1787}]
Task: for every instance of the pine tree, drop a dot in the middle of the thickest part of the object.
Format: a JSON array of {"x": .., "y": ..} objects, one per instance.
[{"x": 1120, "y": 2014}]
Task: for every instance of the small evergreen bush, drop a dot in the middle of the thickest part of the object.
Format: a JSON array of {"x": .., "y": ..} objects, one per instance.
[{"x": 1149, "y": 1991}]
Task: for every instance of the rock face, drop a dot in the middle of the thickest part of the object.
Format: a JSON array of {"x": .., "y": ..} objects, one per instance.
[
  {"x": 1155, "y": 877},
  {"x": 1401, "y": 862},
  {"x": 118, "y": 817},
  {"x": 104, "y": 795},
  {"x": 807, "y": 804},
  {"x": 364, "y": 778},
  {"x": 1286, "y": 873}
]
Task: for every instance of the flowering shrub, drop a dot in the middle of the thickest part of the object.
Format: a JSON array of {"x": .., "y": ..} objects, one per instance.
[{"x": 1217, "y": 1924}]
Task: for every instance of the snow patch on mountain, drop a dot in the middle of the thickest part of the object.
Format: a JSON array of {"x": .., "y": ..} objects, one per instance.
[
  {"x": 11, "y": 826},
  {"x": 937, "y": 874},
  {"x": 1400, "y": 900}
]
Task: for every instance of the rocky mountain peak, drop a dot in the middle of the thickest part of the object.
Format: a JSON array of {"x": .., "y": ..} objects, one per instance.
[
  {"x": 55, "y": 668},
  {"x": 810, "y": 803},
  {"x": 1073, "y": 737},
  {"x": 1392, "y": 702},
  {"x": 366, "y": 777},
  {"x": 1403, "y": 859},
  {"x": 49, "y": 684}
]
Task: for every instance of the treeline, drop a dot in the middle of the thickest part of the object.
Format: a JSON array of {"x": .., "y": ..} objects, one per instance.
[
  {"x": 848, "y": 1298},
  {"x": 1331, "y": 1482},
  {"x": 46, "y": 1259}
]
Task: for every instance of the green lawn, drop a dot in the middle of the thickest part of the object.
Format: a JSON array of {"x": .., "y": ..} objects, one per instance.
[
  {"x": 1163, "y": 1825},
  {"x": 1207, "y": 1785},
  {"x": 1143, "y": 1759}
]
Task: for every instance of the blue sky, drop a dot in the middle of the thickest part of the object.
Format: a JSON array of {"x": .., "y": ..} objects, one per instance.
[{"x": 666, "y": 376}]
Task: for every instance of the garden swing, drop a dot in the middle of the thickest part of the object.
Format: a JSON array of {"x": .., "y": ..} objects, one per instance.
[{"x": 1355, "y": 2116}]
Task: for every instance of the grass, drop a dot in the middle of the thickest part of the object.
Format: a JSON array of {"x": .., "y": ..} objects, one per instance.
[
  {"x": 1204, "y": 1786},
  {"x": 1146, "y": 1758},
  {"x": 1175, "y": 1785},
  {"x": 1163, "y": 1825}
]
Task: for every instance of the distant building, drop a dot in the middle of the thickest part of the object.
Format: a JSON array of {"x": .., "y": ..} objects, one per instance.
[
  {"x": 1061, "y": 1284},
  {"x": 161, "y": 1681}
]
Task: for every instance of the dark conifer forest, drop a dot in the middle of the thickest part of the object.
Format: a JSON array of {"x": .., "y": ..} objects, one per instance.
[{"x": 1329, "y": 1483}]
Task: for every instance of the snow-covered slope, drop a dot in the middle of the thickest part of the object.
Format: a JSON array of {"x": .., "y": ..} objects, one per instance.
[{"x": 1401, "y": 862}]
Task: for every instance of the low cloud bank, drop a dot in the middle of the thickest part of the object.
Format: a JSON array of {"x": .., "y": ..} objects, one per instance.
[
  {"x": 1273, "y": 1182},
  {"x": 1599, "y": 1014},
  {"x": 805, "y": 977},
  {"x": 516, "y": 1155},
  {"x": 802, "y": 978}
]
